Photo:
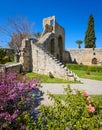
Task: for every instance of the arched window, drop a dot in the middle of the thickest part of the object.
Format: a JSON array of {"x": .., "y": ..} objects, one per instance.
[
  {"x": 94, "y": 61},
  {"x": 52, "y": 49},
  {"x": 60, "y": 46}
]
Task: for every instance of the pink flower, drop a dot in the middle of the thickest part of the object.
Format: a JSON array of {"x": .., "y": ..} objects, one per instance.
[
  {"x": 33, "y": 106},
  {"x": 85, "y": 94},
  {"x": 13, "y": 96},
  {"x": 28, "y": 99},
  {"x": 91, "y": 108},
  {"x": 20, "y": 86},
  {"x": 23, "y": 127}
]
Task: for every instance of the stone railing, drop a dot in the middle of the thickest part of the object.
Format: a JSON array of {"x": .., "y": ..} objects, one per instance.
[
  {"x": 14, "y": 68},
  {"x": 10, "y": 68}
]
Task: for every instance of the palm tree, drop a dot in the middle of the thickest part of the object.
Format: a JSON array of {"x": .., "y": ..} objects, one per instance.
[
  {"x": 37, "y": 35},
  {"x": 79, "y": 42}
]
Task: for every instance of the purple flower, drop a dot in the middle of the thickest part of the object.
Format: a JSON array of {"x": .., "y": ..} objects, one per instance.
[
  {"x": 8, "y": 117},
  {"x": 28, "y": 99},
  {"x": 13, "y": 96},
  {"x": 15, "y": 114}
]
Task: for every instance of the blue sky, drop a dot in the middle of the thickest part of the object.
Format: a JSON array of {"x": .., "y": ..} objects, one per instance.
[{"x": 71, "y": 14}]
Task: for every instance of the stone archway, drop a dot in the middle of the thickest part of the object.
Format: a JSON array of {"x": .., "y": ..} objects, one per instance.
[
  {"x": 94, "y": 61},
  {"x": 52, "y": 46},
  {"x": 60, "y": 46}
]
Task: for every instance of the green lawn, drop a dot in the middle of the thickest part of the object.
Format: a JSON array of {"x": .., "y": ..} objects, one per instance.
[
  {"x": 47, "y": 79},
  {"x": 91, "y": 75}
]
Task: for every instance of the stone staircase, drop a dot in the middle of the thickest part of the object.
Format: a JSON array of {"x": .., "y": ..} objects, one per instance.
[
  {"x": 70, "y": 75},
  {"x": 44, "y": 38}
]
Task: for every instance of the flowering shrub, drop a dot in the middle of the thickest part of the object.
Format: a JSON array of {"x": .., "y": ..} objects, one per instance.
[
  {"x": 15, "y": 98},
  {"x": 77, "y": 112}
]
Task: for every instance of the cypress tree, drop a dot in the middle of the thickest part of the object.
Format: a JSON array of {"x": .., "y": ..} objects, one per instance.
[{"x": 90, "y": 34}]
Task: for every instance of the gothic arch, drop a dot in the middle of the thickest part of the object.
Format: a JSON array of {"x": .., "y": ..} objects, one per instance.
[
  {"x": 52, "y": 46},
  {"x": 60, "y": 47}
]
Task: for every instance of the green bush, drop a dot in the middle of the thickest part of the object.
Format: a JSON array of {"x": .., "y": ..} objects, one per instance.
[
  {"x": 77, "y": 112},
  {"x": 5, "y": 59},
  {"x": 84, "y": 67},
  {"x": 2, "y": 54}
]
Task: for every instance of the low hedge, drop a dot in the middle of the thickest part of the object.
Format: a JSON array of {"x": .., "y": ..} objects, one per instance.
[{"x": 85, "y": 67}]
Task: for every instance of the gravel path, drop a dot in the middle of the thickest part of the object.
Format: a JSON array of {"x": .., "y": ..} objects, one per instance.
[{"x": 90, "y": 86}]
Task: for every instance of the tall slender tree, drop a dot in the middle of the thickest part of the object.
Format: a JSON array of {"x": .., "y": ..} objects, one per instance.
[{"x": 90, "y": 34}]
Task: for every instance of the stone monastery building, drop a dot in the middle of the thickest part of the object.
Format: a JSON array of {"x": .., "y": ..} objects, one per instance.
[{"x": 48, "y": 55}]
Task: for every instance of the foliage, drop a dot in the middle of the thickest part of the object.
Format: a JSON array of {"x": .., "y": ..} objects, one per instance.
[
  {"x": 37, "y": 35},
  {"x": 3, "y": 57},
  {"x": 15, "y": 98},
  {"x": 90, "y": 34},
  {"x": 96, "y": 98},
  {"x": 77, "y": 112},
  {"x": 47, "y": 79},
  {"x": 85, "y": 67},
  {"x": 79, "y": 42},
  {"x": 88, "y": 75},
  {"x": 85, "y": 71},
  {"x": 2, "y": 54}
]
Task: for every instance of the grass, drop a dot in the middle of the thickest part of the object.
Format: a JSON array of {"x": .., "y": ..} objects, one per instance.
[
  {"x": 86, "y": 71},
  {"x": 94, "y": 97},
  {"x": 11, "y": 62},
  {"x": 91, "y": 75},
  {"x": 47, "y": 79}
]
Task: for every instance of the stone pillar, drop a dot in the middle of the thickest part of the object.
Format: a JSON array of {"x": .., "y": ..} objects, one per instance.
[{"x": 2, "y": 71}]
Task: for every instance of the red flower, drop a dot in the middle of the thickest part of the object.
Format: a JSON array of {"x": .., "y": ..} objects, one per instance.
[
  {"x": 91, "y": 108},
  {"x": 85, "y": 94}
]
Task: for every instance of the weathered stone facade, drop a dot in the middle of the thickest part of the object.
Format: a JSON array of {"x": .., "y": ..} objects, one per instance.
[
  {"x": 53, "y": 37},
  {"x": 37, "y": 59},
  {"x": 48, "y": 54},
  {"x": 87, "y": 56}
]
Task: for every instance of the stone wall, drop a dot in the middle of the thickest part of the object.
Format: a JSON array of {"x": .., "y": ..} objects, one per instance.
[
  {"x": 2, "y": 71},
  {"x": 9, "y": 68},
  {"x": 44, "y": 63},
  {"x": 86, "y": 56},
  {"x": 14, "y": 68},
  {"x": 37, "y": 59},
  {"x": 53, "y": 37}
]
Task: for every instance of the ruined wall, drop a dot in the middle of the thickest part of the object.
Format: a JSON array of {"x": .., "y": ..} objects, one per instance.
[
  {"x": 49, "y": 25},
  {"x": 53, "y": 37},
  {"x": 14, "y": 68},
  {"x": 43, "y": 63},
  {"x": 26, "y": 55},
  {"x": 86, "y": 56}
]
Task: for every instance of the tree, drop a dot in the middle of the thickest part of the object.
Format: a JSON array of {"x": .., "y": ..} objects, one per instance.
[
  {"x": 17, "y": 29},
  {"x": 3, "y": 56},
  {"x": 37, "y": 35},
  {"x": 90, "y": 34},
  {"x": 79, "y": 42}
]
